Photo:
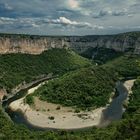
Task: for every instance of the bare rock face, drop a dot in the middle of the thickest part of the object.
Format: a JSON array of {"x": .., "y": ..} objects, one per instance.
[
  {"x": 121, "y": 42},
  {"x": 28, "y": 45},
  {"x": 38, "y": 44},
  {"x": 2, "y": 93}
]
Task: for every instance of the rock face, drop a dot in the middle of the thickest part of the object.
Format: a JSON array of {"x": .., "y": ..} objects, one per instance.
[
  {"x": 38, "y": 44},
  {"x": 28, "y": 44},
  {"x": 2, "y": 94}
]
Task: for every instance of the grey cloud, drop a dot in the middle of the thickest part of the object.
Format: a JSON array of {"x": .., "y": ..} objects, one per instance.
[
  {"x": 120, "y": 12},
  {"x": 40, "y": 22},
  {"x": 17, "y": 22},
  {"x": 103, "y": 13},
  {"x": 84, "y": 17},
  {"x": 35, "y": 22}
]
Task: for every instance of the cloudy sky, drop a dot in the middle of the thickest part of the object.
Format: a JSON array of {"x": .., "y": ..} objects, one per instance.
[{"x": 69, "y": 17}]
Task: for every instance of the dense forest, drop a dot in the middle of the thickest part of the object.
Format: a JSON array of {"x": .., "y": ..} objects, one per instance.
[
  {"x": 84, "y": 88},
  {"x": 126, "y": 66},
  {"x": 101, "y": 55},
  {"x": 16, "y": 68}
]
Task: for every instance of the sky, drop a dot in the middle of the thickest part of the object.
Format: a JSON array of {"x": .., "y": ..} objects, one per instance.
[{"x": 69, "y": 17}]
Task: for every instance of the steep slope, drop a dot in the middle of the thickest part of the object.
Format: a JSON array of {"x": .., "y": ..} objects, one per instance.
[
  {"x": 101, "y": 55},
  {"x": 37, "y": 44},
  {"x": 120, "y": 42},
  {"x": 17, "y": 68}
]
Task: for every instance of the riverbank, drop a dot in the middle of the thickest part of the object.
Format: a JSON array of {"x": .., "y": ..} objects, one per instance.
[
  {"x": 128, "y": 85},
  {"x": 48, "y": 115},
  {"x": 25, "y": 86},
  {"x": 2, "y": 94}
]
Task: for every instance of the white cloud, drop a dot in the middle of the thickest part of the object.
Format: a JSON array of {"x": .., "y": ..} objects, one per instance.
[
  {"x": 6, "y": 20},
  {"x": 40, "y": 22},
  {"x": 73, "y": 4},
  {"x": 19, "y": 22},
  {"x": 67, "y": 22},
  {"x": 130, "y": 15}
]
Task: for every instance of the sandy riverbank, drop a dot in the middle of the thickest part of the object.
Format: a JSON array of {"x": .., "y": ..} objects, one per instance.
[
  {"x": 129, "y": 84},
  {"x": 48, "y": 115},
  {"x": 2, "y": 93},
  {"x": 65, "y": 118}
]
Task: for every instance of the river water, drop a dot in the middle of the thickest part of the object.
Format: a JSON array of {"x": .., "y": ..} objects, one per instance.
[{"x": 113, "y": 111}]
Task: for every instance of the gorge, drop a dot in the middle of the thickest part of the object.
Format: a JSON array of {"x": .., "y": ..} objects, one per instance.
[
  {"x": 87, "y": 68},
  {"x": 33, "y": 44}
]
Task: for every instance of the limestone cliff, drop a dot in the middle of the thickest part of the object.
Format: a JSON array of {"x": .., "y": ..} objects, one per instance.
[
  {"x": 37, "y": 44},
  {"x": 28, "y": 44}
]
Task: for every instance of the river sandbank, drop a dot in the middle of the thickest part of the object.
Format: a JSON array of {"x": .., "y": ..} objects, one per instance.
[
  {"x": 49, "y": 115},
  {"x": 128, "y": 85}
]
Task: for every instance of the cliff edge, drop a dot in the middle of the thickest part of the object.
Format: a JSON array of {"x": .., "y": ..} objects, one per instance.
[{"x": 31, "y": 44}]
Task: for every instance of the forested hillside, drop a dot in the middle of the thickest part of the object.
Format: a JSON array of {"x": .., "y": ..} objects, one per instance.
[
  {"x": 16, "y": 68},
  {"x": 126, "y": 66},
  {"x": 92, "y": 86},
  {"x": 101, "y": 55},
  {"x": 84, "y": 88}
]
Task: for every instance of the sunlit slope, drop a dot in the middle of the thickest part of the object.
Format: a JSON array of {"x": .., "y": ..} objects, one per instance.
[{"x": 84, "y": 88}]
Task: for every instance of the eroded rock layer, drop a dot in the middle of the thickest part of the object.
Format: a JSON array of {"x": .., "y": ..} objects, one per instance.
[{"x": 36, "y": 44}]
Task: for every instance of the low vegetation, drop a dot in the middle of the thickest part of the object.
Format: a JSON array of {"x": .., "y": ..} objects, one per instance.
[{"x": 29, "y": 100}]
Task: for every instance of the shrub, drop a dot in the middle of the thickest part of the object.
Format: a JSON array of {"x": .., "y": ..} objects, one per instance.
[
  {"x": 51, "y": 117},
  {"x": 29, "y": 99}
]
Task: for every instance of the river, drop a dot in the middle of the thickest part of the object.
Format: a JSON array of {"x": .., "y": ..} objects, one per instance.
[
  {"x": 115, "y": 109},
  {"x": 112, "y": 112}
]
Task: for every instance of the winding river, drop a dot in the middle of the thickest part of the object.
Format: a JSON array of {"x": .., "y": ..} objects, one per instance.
[
  {"x": 115, "y": 109},
  {"x": 112, "y": 112}
]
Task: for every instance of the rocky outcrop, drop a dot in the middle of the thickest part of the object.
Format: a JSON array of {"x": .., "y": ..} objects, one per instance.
[
  {"x": 2, "y": 94},
  {"x": 120, "y": 42},
  {"x": 17, "y": 44},
  {"x": 38, "y": 44}
]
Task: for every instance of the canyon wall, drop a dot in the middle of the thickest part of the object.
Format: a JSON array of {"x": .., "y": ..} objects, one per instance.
[
  {"x": 30, "y": 45},
  {"x": 37, "y": 44}
]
